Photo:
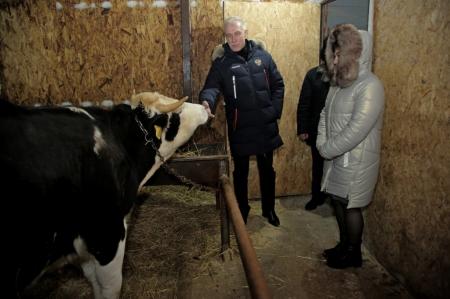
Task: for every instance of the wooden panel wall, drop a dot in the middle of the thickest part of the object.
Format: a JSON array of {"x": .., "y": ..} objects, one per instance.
[
  {"x": 207, "y": 33},
  {"x": 408, "y": 223},
  {"x": 291, "y": 32},
  {"x": 51, "y": 55}
]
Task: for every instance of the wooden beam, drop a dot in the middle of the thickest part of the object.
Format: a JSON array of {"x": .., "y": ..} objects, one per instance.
[{"x": 186, "y": 45}]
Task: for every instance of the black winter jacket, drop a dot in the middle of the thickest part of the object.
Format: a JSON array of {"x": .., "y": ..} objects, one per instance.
[
  {"x": 253, "y": 91},
  {"x": 311, "y": 102}
]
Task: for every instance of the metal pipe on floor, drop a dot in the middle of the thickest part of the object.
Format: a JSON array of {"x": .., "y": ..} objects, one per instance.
[{"x": 253, "y": 271}]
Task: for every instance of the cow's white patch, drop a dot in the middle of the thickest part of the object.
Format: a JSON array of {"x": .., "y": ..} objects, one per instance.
[
  {"x": 109, "y": 277},
  {"x": 107, "y": 104},
  {"x": 80, "y": 110},
  {"x": 99, "y": 142},
  {"x": 151, "y": 172},
  {"x": 106, "y": 280}
]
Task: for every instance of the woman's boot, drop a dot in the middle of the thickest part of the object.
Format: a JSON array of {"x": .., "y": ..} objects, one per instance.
[
  {"x": 348, "y": 257},
  {"x": 335, "y": 250}
]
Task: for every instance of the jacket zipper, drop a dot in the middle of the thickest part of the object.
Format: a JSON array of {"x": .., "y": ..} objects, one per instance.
[
  {"x": 235, "y": 108},
  {"x": 267, "y": 78}
]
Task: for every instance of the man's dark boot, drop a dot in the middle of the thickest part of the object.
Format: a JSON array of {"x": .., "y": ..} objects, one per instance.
[
  {"x": 349, "y": 257},
  {"x": 267, "y": 186},
  {"x": 241, "y": 191},
  {"x": 245, "y": 210},
  {"x": 272, "y": 218}
]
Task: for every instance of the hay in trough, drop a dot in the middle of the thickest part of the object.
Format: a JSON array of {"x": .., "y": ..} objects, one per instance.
[{"x": 172, "y": 235}]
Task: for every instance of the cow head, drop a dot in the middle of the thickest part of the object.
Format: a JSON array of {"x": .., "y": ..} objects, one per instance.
[{"x": 177, "y": 122}]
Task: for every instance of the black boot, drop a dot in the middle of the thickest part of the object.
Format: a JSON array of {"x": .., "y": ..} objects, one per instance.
[
  {"x": 245, "y": 210},
  {"x": 333, "y": 251},
  {"x": 349, "y": 257},
  {"x": 241, "y": 191},
  {"x": 272, "y": 218},
  {"x": 314, "y": 203},
  {"x": 267, "y": 186}
]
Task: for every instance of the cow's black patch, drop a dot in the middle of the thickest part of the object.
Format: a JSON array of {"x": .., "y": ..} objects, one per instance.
[
  {"x": 173, "y": 127},
  {"x": 162, "y": 120}
]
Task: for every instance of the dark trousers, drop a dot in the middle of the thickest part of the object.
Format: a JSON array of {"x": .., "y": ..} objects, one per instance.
[
  {"x": 266, "y": 182},
  {"x": 317, "y": 172}
]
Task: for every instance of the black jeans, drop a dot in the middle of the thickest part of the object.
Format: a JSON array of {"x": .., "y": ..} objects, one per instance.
[{"x": 266, "y": 182}]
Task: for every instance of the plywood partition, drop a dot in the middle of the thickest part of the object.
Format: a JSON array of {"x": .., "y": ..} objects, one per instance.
[
  {"x": 291, "y": 33},
  {"x": 94, "y": 53},
  {"x": 207, "y": 33},
  {"x": 409, "y": 220}
]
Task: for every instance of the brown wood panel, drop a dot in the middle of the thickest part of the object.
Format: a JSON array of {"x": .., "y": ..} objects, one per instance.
[
  {"x": 50, "y": 55},
  {"x": 409, "y": 219}
]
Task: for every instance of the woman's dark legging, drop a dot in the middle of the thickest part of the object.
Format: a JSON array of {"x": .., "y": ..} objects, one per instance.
[{"x": 350, "y": 222}]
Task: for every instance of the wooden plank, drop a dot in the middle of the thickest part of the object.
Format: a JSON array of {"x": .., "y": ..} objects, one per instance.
[{"x": 186, "y": 44}]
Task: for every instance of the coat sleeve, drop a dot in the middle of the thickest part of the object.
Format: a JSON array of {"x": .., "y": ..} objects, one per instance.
[
  {"x": 369, "y": 104},
  {"x": 276, "y": 87},
  {"x": 321, "y": 131},
  {"x": 212, "y": 87},
  {"x": 304, "y": 118}
]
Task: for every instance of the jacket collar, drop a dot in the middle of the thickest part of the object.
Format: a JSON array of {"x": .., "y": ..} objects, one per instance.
[{"x": 224, "y": 49}]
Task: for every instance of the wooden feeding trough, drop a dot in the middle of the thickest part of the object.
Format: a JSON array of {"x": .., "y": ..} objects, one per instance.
[{"x": 204, "y": 171}]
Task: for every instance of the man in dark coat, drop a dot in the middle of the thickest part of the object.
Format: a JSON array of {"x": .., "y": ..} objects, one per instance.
[
  {"x": 312, "y": 99},
  {"x": 253, "y": 90}
]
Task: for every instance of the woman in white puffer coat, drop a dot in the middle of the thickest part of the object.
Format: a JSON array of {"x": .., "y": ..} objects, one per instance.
[{"x": 349, "y": 137}]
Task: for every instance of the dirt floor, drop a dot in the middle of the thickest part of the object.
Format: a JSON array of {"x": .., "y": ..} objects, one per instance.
[
  {"x": 173, "y": 252},
  {"x": 290, "y": 256}
]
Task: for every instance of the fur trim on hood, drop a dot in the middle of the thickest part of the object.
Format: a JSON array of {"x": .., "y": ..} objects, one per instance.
[
  {"x": 219, "y": 50},
  {"x": 346, "y": 38}
]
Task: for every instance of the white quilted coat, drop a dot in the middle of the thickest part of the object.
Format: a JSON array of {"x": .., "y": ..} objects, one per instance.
[{"x": 349, "y": 134}]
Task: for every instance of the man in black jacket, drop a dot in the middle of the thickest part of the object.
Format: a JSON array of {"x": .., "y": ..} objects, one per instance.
[
  {"x": 312, "y": 100},
  {"x": 253, "y": 90}
]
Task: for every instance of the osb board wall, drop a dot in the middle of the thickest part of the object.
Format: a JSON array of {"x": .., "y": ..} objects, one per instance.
[
  {"x": 206, "y": 34},
  {"x": 291, "y": 34},
  {"x": 408, "y": 222},
  {"x": 51, "y": 55}
]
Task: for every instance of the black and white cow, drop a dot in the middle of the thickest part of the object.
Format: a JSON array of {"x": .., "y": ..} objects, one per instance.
[{"x": 69, "y": 178}]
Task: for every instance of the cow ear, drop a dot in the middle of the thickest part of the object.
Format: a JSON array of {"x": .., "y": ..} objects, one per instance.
[{"x": 160, "y": 120}]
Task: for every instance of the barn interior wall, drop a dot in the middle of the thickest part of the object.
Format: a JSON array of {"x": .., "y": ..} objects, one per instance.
[
  {"x": 408, "y": 222},
  {"x": 206, "y": 34},
  {"x": 51, "y": 55}
]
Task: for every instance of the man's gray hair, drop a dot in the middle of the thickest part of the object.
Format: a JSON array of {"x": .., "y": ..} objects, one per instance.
[{"x": 235, "y": 20}]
